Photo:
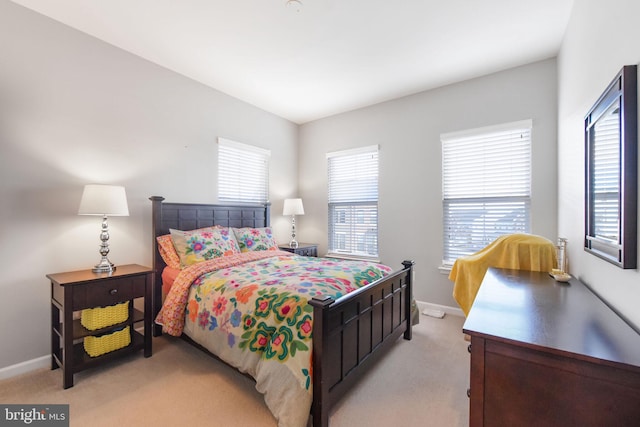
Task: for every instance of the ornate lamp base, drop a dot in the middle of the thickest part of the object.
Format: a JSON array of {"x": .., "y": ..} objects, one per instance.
[
  {"x": 293, "y": 243},
  {"x": 104, "y": 266}
]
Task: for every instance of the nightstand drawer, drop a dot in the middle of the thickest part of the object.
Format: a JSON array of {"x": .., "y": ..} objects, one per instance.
[
  {"x": 108, "y": 292},
  {"x": 303, "y": 249},
  {"x": 310, "y": 251}
]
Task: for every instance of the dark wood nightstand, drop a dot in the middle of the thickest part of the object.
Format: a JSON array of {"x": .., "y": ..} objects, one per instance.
[
  {"x": 78, "y": 290},
  {"x": 304, "y": 249}
]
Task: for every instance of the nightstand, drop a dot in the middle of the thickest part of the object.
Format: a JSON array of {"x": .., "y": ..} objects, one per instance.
[
  {"x": 304, "y": 249},
  {"x": 78, "y": 290}
]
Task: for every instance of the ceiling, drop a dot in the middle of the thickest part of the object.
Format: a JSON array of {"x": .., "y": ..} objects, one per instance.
[{"x": 327, "y": 56}]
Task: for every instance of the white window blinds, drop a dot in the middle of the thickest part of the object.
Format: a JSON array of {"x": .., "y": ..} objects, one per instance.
[
  {"x": 606, "y": 175},
  {"x": 353, "y": 201},
  {"x": 486, "y": 191},
  {"x": 243, "y": 172}
]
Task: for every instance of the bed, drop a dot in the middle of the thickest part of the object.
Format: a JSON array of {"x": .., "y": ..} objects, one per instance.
[{"x": 351, "y": 326}]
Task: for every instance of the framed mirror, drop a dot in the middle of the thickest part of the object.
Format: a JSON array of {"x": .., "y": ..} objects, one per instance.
[{"x": 611, "y": 172}]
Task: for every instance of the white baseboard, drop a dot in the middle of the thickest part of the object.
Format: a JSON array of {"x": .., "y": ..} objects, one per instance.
[
  {"x": 454, "y": 311},
  {"x": 23, "y": 367}
]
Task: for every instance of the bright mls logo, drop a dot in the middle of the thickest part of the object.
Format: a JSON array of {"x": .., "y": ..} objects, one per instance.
[{"x": 35, "y": 415}]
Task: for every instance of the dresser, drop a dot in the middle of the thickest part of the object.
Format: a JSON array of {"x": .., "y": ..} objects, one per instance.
[
  {"x": 548, "y": 353},
  {"x": 74, "y": 291}
]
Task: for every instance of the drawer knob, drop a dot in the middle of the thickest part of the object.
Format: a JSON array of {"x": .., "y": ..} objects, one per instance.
[
  {"x": 469, "y": 392},
  {"x": 113, "y": 291},
  {"x": 469, "y": 348}
]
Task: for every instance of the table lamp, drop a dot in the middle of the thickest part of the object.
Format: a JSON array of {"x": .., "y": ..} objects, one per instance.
[
  {"x": 293, "y": 207},
  {"x": 104, "y": 200}
]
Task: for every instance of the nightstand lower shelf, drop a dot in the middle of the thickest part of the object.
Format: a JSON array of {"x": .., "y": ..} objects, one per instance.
[{"x": 83, "y": 361}]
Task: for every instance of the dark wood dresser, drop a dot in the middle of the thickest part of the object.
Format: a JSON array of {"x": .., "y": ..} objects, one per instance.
[{"x": 547, "y": 353}]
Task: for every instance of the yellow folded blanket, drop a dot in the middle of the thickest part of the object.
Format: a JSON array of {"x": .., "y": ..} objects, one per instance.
[{"x": 514, "y": 251}]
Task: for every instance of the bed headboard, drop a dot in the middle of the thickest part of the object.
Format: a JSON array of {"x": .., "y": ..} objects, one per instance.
[{"x": 190, "y": 216}]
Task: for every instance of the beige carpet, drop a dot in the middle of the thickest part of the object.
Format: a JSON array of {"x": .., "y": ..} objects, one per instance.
[{"x": 181, "y": 386}]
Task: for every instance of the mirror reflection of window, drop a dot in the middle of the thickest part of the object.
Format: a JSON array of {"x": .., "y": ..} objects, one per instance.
[{"x": 606, "y": 174}]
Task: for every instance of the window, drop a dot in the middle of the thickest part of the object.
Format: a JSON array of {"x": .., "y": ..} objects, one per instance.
[
  {"x": 486, "y": 186},
  {"x": 243, "y": 172},
  {"x": 353, "y": 202}
]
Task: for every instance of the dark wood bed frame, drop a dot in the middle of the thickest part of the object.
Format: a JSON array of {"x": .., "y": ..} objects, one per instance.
[{"x": 349, "y": 333}]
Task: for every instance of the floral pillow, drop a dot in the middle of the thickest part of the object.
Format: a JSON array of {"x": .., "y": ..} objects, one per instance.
[
  {"x": 255, "y": 239},
  {"x": 168, "y": 252},
  {"x": 203, "y": 244}
]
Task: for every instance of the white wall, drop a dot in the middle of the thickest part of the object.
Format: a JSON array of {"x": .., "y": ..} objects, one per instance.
[
  {"x": 602, "y": 37},
  {"x": 75, "y": 110},
  {"x": 408, "y": 133}
]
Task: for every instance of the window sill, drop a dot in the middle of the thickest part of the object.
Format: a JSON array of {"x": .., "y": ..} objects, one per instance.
[
  {"x": 445, "y": 268},
  {"x": 351, "y": 257}
]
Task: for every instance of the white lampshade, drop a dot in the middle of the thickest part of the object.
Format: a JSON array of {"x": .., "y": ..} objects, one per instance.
[
  {"x": 103, "y": 200},
  {"x": 293, "y": 207}
]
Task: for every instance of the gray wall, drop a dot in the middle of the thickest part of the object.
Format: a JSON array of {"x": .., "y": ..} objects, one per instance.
[
  {"x": 408, "y": 133},
  {"x": 75, "y": 110},
  {"x": 602, "y": 37}
]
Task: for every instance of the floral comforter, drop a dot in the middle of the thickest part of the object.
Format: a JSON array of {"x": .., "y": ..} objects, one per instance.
[{"x": 251, "y": 310}]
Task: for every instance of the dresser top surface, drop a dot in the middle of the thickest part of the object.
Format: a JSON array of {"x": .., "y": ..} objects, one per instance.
[{"x": 533, "y": 310}]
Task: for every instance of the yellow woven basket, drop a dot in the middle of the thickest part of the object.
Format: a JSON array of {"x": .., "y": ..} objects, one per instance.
[
  {"x": 97, "y": 346},
  {"x": 101, "y": 317}
]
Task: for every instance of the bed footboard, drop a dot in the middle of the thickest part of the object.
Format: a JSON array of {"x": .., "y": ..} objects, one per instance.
[{"x": 350, "y": 333}]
